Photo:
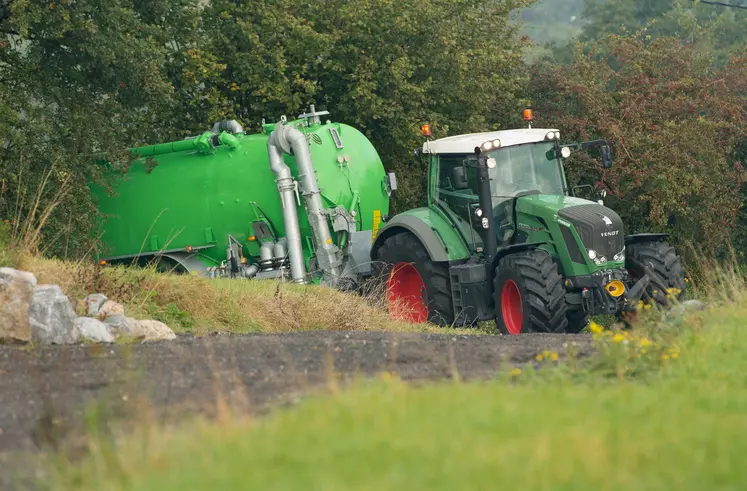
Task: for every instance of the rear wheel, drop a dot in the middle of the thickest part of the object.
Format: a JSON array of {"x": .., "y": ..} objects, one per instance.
[
  {"x": 529, "y": 294},
  {"x": 668, "y": 276},
  {"x": 417, "y": 289}
]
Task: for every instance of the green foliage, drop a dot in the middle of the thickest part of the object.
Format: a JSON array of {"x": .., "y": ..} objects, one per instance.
[
  {"x": 87, "y": 79},
  {"x": 380, "y": 66},
  {"x": 80, "y": 79},
  {"x": 673, "y": 121},
  {"x": 6, "y": 258}
]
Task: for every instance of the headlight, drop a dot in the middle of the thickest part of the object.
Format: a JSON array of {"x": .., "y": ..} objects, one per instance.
[
  {"x": 550, "y": 135},
  {"x": 478, "y": 212},
  {"x": 565, "y": 152},
  {"x": 592, "y": 254},
  {"x": 485, "y": 222},
  {"x": 557, "y": 135},
  {"x": 496, "y": 143},
  {"x": 620, "y": 256},
  {"x": 491, "y": 163}
]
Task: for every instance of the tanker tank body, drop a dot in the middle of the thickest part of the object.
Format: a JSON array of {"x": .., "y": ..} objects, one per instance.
[{"x": 211, "y": 204}]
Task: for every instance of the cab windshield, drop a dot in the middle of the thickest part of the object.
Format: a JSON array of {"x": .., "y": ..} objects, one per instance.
[{"x": 528, "y": 167}]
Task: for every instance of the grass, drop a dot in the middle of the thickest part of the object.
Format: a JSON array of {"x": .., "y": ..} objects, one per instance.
[
  {"x": 658, "y": 407},
  {"x": 680, "y": 426},
  {"x": 195, "y": 304}
]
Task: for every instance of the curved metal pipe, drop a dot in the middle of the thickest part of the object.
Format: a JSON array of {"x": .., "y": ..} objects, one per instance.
[
  {"x": 287, "y": 191},
  {"x": 328, "y": 254},
  {"x": 229, "y": 125}
]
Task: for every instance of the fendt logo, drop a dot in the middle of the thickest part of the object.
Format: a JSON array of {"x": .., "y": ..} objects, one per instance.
[
  {"x": 607, "y": 220},
  {"x": 609, "y": 234}
]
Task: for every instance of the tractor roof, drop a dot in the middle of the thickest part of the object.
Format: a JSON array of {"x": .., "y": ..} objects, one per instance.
[{"x": 467, "y": 143}]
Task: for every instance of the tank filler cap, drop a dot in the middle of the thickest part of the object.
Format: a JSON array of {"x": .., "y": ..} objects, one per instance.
[{"x": 313, "y": 115}]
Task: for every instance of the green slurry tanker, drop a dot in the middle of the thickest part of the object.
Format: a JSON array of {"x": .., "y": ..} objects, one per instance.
[{"x": 502, "y": 237}]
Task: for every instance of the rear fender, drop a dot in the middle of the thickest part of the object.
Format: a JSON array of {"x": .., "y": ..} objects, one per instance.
[{"x": 428, "y": 236}]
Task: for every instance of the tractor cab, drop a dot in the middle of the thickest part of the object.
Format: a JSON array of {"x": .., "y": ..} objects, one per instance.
[{"x": 521, "y": 162}]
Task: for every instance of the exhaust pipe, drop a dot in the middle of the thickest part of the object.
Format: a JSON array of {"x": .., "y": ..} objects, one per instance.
[
  {"x": 287, "y": 191},
  {"x": 293, "y": 141}
]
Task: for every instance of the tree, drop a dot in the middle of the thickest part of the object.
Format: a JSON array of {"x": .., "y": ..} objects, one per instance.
[
  {"x": 673, "y": 120},
  {"x": 80, "y": 79}
]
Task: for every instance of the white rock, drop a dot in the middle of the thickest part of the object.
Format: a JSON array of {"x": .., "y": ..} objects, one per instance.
[
  {"x": 16, "y": 292},
  {"x": 94, "y": 302},
  {"x": 94, "y": 330},
  {"x": 119, "y": 325},
  {"x": 677, "y": 313},
  {"x": 110, "y": 309},
  {"x": 152, "y": 330},
  {"x": 52, "y": 317},
  {"x": 146, "y": 330}
]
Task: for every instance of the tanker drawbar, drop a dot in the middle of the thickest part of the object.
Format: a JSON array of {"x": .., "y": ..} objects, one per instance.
[{"x": 299, "y": 200}]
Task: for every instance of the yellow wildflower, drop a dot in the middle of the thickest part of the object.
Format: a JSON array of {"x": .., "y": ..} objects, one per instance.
[
  {"x": 539, "y": 357},
  {"x": 516, "y": 372},
  {"x": 644, "y": 342},
  {"x": 618, "y": 338},
  {"x": 665, "y": 356},
  {"x": 554, "y": 356},
  {"x": 595, "y": 328},
  {"x": 674, "y": 356}
]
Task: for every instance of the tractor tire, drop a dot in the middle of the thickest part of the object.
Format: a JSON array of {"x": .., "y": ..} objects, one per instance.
[
  {"x": 417, "y": 288},
  {"x": 529, "y": 294},
  {"x": 667, "y": 269}
]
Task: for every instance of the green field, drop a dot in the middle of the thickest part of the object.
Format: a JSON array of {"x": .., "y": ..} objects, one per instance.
[{"x": 657, "y": 409}]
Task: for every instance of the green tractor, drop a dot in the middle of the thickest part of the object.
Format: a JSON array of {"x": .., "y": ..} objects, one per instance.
[{"x": 504, "y": 238}]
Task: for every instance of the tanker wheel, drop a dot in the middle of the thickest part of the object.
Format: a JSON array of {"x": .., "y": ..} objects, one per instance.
[
  {"x": 417, "y": 289},
  {"x": 529, "y": 294},
  {"x": 668, "y": 276}
]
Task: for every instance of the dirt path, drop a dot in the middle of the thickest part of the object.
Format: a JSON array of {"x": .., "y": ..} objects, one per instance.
[{"x": 44, "y": 392}]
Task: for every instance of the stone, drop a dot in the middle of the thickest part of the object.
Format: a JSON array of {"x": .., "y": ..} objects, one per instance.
[
  {"x": 93, "y": 303},
  {"x": 109, "y": 309},
  {"x": 119, "y": 325},
  {"x": 94, "y": 330},
  {"x": 677, "y": 313},
  {"x": 152, "y": 330},
  {"x": 16, "y": 293},
  {"x": 52, "y": 317}
]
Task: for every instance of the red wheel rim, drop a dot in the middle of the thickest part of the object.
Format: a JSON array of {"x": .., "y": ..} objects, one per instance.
[
  {"x": 405, "y": 290},
  {"x": 511, "y": 308}
]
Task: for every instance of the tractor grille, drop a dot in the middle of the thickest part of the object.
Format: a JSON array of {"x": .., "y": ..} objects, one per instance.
[{"x": 600, "y": 228}]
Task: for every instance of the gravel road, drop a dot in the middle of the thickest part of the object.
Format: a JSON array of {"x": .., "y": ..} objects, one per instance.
[{"x": 44, "y": 392}]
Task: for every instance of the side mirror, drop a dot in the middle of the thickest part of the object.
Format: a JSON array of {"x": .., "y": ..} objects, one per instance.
[
  {"x": 601, "y": 195},
  {"x": 606, "y": 156},
  {"x": 459, "y": 178}
]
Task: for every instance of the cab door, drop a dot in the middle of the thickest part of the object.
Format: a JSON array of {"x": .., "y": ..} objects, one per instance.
[{"x": 456, "y": 194}]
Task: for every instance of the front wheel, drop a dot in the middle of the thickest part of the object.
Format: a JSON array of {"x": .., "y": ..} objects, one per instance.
[
  {"x": 668, "y": 275},
  {"x": 417, "y": 288},
  {"x": 529, "y": 294}
]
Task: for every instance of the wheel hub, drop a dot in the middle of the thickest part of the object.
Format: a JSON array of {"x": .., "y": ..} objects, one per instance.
[
  {"x": 512, "y": 307},
  {"x": 405, "y": 294}
]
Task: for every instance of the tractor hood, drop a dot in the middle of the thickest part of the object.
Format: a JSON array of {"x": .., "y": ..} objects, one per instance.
[{"x": 600, "y": 228}]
